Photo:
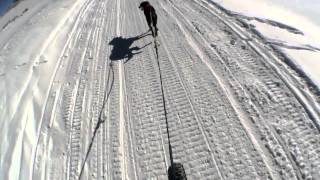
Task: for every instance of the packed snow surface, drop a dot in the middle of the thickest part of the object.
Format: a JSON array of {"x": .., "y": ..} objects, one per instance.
[
  {"x": 81, "y": 94},
  {"x": 291, "y": 26}
]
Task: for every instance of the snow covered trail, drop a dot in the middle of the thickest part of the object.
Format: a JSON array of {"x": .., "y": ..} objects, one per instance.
[{"x": 235, "y": 111}]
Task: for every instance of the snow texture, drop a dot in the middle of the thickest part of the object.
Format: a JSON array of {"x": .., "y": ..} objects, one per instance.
[
  {"x": 80, "y": 94},
  {"x": 290, "y": 27}
]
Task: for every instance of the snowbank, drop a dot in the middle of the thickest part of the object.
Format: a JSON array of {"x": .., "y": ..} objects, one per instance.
[
  {"x": 32, "y": 36},
  {"x": 291, "y": 26}
]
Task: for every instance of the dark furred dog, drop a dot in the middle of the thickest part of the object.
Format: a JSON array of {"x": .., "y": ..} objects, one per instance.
[{"x": 151, "y": 16}]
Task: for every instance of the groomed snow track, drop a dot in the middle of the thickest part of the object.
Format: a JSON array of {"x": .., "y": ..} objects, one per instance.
[{"x": 235, "y": 110}]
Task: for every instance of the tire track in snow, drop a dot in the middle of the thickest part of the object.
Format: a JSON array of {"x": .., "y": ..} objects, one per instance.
[
  {"x": 103, "y": 87},
  {"x": 93, "y": 164},
  {"x": 147, "y": 115},
  {"x": 200, "y": 126},
  {"x": 79, "y": 121},
  {"x": 97, "y": 159},
  {"x": 178, "y": 74},
  {"x": 111, "y": 135},
  {"x": 97, "y": 163},
  {"x": 117, "y": 160}
]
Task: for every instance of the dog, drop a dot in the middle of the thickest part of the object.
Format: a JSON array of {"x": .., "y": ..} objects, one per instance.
[{"x": 151, "y": 16}]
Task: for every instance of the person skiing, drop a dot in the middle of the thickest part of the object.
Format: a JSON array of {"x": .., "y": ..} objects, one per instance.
[{"x": 151, "y": 16}]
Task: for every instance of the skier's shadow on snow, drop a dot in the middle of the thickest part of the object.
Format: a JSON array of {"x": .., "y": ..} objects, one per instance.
[{"x": 122, "y": 49}]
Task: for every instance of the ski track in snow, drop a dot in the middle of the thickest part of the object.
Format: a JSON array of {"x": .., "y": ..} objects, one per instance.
[{"x": 235, "y": 111}]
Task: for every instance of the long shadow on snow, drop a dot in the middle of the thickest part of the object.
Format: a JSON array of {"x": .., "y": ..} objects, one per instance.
[{"x": 122, "y": 47}]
